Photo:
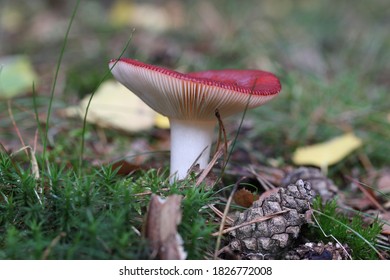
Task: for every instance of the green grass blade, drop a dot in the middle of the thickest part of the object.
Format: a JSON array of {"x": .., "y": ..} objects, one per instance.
[
  {"x": 238, "y": 130},
  {"x": 350, "y": 229},
  {"x": 82, "y": 148},
  {"x": 35, "y": 105},
  {"x": 55, "y": 79}
]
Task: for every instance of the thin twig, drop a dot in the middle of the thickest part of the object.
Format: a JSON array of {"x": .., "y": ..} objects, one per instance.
[
  {"x": 207, "y": 170},
  {"x": 370, "y": 197},
  {"x": 34, "y": 163},
  {"x": 196, "y": 160},
  {"x": 263, "y": 181},
  {"x": 149, "y": 192},
  {"x": 220, "y": 214},
  {"x": 258, "y": 220},
  {"x": 53, "y": 243},
  {"x": 366, "y": 162},
  {"x": 225, "y": 212},
  {"x": 35, "y": 140},
  {"x": 11, "y": 115},
  {"x": 34, "y": 168},
  {"x": 221, "y": 132}
]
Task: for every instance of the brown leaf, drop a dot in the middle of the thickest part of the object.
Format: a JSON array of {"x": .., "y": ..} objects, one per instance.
[
  {"x": 125, "y": 167},
  {"x": 161, "y": 228},
  {"x": 245, "y": 198}
]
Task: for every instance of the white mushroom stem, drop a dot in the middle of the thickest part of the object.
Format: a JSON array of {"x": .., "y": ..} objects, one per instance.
[{"x": 190, "y": 144}]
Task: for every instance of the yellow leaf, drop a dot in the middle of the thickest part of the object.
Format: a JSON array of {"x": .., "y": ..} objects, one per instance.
[
  {"x": 114, "y": 106},
  {"x": 120, "y": 13},
  {"x": 16, "y": 76},
  {"x": 327, "y": 153},
  {"x": 150, "y": 16},
  {"x": 162, "y": 121}
]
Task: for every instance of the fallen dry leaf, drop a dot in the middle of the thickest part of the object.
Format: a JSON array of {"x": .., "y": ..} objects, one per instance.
[
  {"x": 149, "y": 16},
  {"x": 161, "y": 228},
  {"x": 245, "y": 198},
  {"x": 114, "y": 106},
  {"x": 324, "y": 154},
  {"x": 125, "y": 168},
  {"x": 16, "y": 76},
  {"x": 162, "y": 122}
]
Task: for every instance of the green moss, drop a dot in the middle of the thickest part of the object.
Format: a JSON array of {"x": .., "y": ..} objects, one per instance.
[
  {"x": 361, "y": 238},
  {"x": 96, "y": 216}
]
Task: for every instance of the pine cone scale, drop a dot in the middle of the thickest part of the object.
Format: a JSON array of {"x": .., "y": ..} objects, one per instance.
[{"x": 273, "y": 236}]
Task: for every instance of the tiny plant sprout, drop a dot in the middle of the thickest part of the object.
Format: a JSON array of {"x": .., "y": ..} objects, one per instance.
[{"x": 191, "y": 100}]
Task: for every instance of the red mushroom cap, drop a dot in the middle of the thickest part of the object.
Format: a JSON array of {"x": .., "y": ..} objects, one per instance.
[{"x": 196, "y": 95}]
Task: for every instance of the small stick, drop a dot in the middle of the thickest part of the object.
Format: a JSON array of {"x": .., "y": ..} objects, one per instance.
[
  {"x": 207, "y": 170},
  {"x": 33, "y": 159},
  {"x": 221, "y": 131},
  {"x": 148, "y": 192},
  {"x": 263, "y": 181},
  {"x": 366, "y": 162},
  {"x": 35, "y": 140},
  {"x": 258, "y": 220},
  {"x": 220, "y": 214},
  {"x": 11, "y": 115},
  {"x": 34, "y": 168},
  {"x": 225, "y": 212},
  {"x": 53, "y": 243},
  {"x": 194, "y": 163},
  {"x": 373, "y": 200}
]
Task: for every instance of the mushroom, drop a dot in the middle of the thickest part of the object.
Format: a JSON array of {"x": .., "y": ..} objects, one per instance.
[{"x": 191, "y": 100}]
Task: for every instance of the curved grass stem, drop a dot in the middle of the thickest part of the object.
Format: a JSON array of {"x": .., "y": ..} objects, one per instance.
[
  {"x": 82, "y": 145},
  {"x": 55, "y": 80}
]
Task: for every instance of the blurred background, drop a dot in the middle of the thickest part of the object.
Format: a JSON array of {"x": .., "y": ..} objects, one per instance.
[{"x": 332, "y": 58}]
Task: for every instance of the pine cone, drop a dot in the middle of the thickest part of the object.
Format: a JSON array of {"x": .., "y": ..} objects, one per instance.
[
  {"x": 322, "y": 185},
  {"x": 319, "y": 251},
  {"x": 272, "y": 237}
]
